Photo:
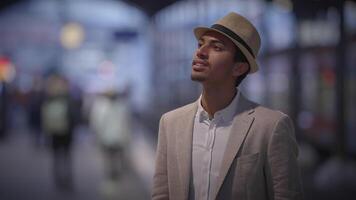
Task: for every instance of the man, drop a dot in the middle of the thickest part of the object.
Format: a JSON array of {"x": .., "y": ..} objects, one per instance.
[{"x": 224, "y": 146}]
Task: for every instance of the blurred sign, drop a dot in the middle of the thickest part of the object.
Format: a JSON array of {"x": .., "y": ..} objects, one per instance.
[
  {"x": 319, "y": 32},
  {"x": 7, "y": 70},
  {"x": 125, "y": 34}
]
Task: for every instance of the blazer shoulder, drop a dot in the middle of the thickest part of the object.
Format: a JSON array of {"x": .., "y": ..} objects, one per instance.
[
  {"x": 181, "y": 111},
  {"x": 269, "y": 115},
  {"x": 269, "y": 122}
]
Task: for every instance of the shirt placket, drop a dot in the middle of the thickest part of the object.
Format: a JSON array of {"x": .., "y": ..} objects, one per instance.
[
  {"x": 210, "y": 147},
  {"x": 205, "y": 167}
]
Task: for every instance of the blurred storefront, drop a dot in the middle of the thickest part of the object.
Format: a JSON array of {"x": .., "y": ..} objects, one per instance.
[
  {"x": 307, "y": 70},
  {"x": 298, "y": 62}
]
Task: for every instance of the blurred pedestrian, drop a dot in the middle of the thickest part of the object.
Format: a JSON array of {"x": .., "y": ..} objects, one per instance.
[
  {"x": 223, "y": 146},
  {"x": 57, "y": 123},
  {"x": 110, "y": 120}
]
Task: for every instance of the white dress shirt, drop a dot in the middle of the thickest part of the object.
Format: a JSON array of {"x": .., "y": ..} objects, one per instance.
[{"x": 210, "y": 138}]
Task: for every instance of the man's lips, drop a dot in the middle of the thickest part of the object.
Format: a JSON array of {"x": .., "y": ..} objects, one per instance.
[{"x": 199, "y": 65}]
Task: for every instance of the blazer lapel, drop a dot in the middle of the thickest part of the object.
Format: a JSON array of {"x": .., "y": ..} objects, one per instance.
[
  {"x": 240, "y": 127},
  {"x": 184, "y": 148}
]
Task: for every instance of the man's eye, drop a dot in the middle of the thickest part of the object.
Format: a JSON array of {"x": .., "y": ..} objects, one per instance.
[
  {"x": 199, "y": 44},
  {"x": 217, "y": 48}
]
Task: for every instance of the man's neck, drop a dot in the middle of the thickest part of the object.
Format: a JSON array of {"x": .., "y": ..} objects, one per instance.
[{"x": 215, "y": 99}]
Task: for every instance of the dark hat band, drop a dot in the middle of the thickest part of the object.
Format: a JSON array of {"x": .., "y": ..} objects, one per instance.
[{"x": 232, "y": 35}]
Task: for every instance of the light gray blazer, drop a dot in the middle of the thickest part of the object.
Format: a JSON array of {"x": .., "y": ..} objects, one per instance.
[{"x": 260, "y": 161}]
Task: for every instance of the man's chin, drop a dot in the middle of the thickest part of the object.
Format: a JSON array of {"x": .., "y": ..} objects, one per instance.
[{"x": 197, "y": 78}]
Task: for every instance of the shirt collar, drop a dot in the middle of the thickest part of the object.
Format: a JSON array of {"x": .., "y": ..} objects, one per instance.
[
  {"x": 226, "y": 114},
  {"x": 201, "y": 113}
]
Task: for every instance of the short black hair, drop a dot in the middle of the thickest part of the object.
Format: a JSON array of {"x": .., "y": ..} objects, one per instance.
[{"x": 240, "y": 57}]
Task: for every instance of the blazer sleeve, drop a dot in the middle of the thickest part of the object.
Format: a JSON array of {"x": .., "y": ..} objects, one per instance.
[
  {"x": 282, "y": 156},
  {"x": 160, "y": 179}
]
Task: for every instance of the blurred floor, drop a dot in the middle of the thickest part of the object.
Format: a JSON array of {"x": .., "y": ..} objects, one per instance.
[{"x": 25, "y": 170}]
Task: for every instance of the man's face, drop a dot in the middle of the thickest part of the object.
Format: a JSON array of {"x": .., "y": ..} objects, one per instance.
[{"x": 213, "y": 60}]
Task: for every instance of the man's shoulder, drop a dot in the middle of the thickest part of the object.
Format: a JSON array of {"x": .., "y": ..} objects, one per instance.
[
  {"x": 180, "y": 111},
  {"x": 266, "y": 111},
  {"x": 267, "y": 120},
  {"x": 261, "y": 111},
  {"x": 268, "y": 115}
]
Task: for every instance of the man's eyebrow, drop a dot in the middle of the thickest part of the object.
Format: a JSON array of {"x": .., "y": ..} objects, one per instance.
[
  {"x": 212, "y": 41},
  {"x": 217, "y": 42}
]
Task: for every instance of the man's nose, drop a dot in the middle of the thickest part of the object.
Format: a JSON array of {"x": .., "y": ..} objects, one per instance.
[{"x": 201, "y": 52}]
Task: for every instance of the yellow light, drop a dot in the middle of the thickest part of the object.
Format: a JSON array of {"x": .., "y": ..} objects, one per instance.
[{"x": 72, "y": 35}]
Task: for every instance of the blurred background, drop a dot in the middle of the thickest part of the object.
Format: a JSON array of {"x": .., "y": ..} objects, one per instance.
[{"x": 83, "y": 84}]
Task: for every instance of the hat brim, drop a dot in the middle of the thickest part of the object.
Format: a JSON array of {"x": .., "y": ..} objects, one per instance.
[{"x": 199, "y": 31}]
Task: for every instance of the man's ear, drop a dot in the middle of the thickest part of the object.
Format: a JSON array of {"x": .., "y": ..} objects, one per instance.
[{"x": 239, "y": 69}]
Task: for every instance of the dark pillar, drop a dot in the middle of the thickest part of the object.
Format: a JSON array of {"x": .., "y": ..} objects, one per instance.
[
  {"x": 340, "y": 91},
  {"x": 3, "y": 109},
  {"x": 295, "y": 90}
]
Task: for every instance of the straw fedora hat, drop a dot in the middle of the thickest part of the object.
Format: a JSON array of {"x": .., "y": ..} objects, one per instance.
[{"x": 241, "y": 32}]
